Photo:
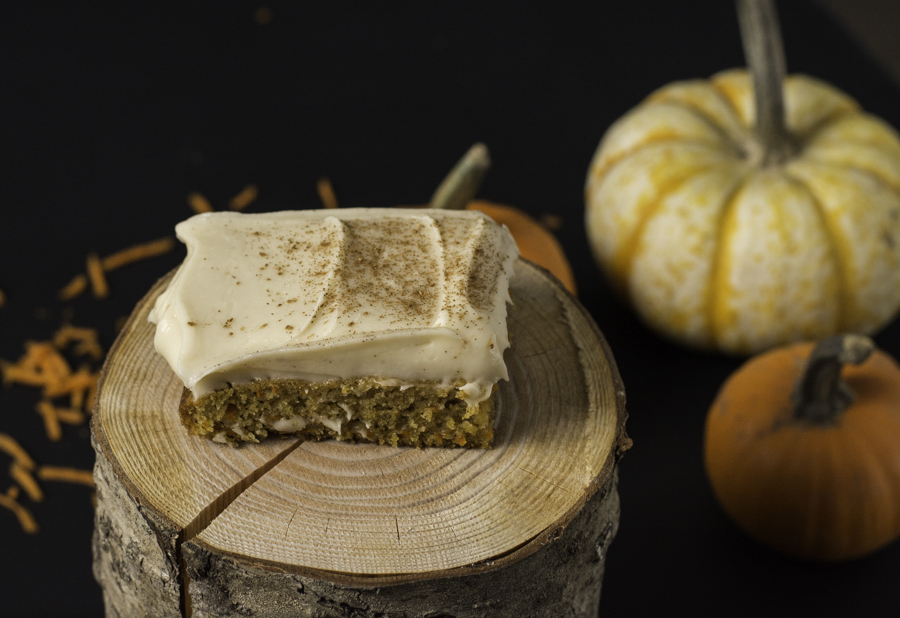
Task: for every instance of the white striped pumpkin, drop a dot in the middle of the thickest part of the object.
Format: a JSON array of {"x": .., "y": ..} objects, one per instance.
[{"x": 717, "y": 250}]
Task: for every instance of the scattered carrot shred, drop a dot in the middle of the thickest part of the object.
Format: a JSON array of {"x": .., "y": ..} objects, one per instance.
[
  {"x": 326, "y": 193},
  {"x": 2, "y": 298},
  {"x": 44, "y": 366},
  {"x": 243, "y": 199},
  {"x": 41, "y": 365},
  {"x": 96, "y": 276},
  {"x": 51, "y": 420},
  {"x": 198, "y": 203},
  {"x": 137, "y": 252},
  {"x": 74, "y": 287},
  {"x": 68, "y": 475},
  {"x": 26, "y": 520},
  {"x": 70, "y": 416},
  {"x": 96, "y": 267},
  {"x": 22, "y": 476},
  {"x": 13, "y": 492},
  {"x": 11, "y": 447},
  {"x": 87, "y": 343}
]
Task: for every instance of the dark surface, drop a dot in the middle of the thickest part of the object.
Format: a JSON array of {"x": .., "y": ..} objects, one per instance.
[{"x": 110, "y": 115}]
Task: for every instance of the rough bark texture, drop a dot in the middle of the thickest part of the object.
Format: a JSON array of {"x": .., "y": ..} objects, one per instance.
[
  {"x": 134, "y": 552},
  {"x": 561, "y": 580}
]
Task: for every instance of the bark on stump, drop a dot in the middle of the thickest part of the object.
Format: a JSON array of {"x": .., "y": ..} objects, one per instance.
[{"x": 187, "y": 527}]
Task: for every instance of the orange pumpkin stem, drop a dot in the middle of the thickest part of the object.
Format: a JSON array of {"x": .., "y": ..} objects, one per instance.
[
  {"x": 764, "y": 52},
  {"x": 821, "y": 395}
]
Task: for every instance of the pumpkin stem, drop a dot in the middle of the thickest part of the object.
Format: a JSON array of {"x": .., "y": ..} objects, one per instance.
[
  {"x": 764, "y": 52},
  {"x": 463, "y": 181},
  {"x": 821, "y": 395}
]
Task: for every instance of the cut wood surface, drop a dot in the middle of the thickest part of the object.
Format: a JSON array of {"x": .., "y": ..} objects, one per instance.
[{"x": 358, "y": 516}]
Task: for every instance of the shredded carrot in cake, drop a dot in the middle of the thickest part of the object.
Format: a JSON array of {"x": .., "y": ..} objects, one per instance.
[
  {"x": 11, "y": 447},
  {"x": 137, "y": 252},
  {"x": 26, "y": 520},
  {"x": 198, "y": 203},
  {"x": 68, "y": 475},
  {"x": 244, "y": 198},
  {"x": 326, "y": 193},
  {"x": 22, "y": 476}
]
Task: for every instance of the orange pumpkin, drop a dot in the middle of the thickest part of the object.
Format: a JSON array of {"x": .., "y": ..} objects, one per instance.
[{"x": 804, "y": 455}]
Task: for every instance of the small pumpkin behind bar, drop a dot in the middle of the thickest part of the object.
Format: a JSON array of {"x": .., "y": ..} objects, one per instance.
[
  {"x": 750, "y": 210},
  {"x": 802, "y": 451}
]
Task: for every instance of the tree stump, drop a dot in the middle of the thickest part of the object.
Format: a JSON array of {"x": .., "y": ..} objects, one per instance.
[{"x": 188, "y": 527}]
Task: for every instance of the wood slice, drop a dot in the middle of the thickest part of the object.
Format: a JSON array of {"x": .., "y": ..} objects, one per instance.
[{"x": 186, "y": 526}]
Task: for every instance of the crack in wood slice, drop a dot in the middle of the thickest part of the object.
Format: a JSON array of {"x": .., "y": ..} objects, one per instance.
[{"x": 213, "y": 510}]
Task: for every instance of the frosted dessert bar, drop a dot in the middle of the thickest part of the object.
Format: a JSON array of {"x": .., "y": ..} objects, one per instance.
[{"x": 383, "y": 325}]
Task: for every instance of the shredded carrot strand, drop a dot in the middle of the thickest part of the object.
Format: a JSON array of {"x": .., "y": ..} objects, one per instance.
[
  {"x": 23, "y": 477},
  {"x": 95, "y": 273},
  {"x": 86, "y": 340},
  {"x": 68, "y": 475},
  {"x": 41, "y": 365},
  {"x": 76, "y": 399},
  {"x": 198, "y": 203},
  {"x": 243, "y": 199},
  {"x": 2, "y": 298},
  {"x": 51, "y": 420},
  {"x": 326, "y": 193},
  {"x": 74, "y": 288},
  {"x": 26, "y": 520},
  {"x": 137, "y": 252},
  {"x": 70, "y": 416},
  {"x": 11, "y": 447}
]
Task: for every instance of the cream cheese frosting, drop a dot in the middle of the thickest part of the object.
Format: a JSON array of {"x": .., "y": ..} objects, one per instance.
[{"x": 397, "y": 294}]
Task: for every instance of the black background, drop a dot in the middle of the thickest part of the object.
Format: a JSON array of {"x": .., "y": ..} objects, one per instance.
[{"x": 111, "y": 113}]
